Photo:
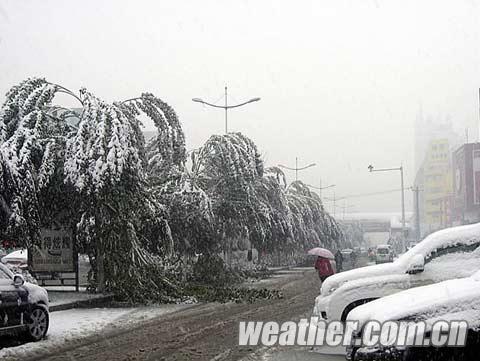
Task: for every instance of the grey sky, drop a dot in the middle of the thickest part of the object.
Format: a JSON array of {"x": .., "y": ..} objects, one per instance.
[{"x": 341, "y": 81}]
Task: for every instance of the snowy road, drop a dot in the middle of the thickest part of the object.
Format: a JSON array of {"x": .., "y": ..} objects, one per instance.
[
  {"x": 200, "y": 332},
  {"x": 72, "y": 326}
]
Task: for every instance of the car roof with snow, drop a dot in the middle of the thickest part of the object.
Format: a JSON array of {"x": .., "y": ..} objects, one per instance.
[
  {"x": 18, "y": 255},
  {"x": 468, "y": 235},
  {"x": 445, "y": 300}
]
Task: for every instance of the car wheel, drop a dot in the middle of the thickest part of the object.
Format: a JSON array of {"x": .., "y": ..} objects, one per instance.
[{"x": 37, "y": 325}]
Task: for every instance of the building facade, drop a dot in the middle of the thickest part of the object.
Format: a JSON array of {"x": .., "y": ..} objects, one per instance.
[
  {"x": 466, "y": 179},
  {"x": 435, "y": 183}
]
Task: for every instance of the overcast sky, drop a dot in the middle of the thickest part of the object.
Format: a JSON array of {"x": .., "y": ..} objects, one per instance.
[{"x": 341, "y": 82}]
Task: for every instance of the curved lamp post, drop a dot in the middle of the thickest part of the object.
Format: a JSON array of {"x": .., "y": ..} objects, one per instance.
[
  {"x": 226, "y": 106},
  {"x": 296, "y": 169}
]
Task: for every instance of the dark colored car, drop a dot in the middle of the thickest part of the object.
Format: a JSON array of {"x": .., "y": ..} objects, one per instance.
[
  {"x": 467, "y": 353},
  {"x": 23, "y": 306}
]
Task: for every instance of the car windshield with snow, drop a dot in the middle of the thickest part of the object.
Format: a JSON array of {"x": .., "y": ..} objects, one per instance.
[{"x": 446, "y": 254}]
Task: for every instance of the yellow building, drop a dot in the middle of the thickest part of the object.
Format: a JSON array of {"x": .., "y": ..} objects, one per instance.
[{"x": 437, "y": 186}]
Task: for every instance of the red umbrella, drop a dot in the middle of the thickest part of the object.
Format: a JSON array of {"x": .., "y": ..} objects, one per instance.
[{"x": 321, "y": 252}]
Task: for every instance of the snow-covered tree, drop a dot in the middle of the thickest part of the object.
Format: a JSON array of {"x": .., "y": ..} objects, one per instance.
[
  {"x": 312, "y": 225},
  {"x": 31, "y": 146},
  {"x": 133, "y": 205},
  {"x": 228, "y": 168},
  {"x": 353, "y": 234},
  {"x": 276, "y": 215},
  {"x": 251, "y": 203},
  {"x": 95, "y": 167}
]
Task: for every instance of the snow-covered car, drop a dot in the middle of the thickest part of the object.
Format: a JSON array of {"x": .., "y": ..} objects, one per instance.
[
  {"x": 452, "y": 300},
  {"x": 446, "y": 254},
  {"x": 411, "y": 245},
  {"x": 18, "y": 257},
  {"x": 383, "y": 254},
  {"x": 23, "y": 306}
]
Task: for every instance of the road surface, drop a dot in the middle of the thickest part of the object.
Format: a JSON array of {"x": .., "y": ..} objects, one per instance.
[{"x": 203, "y": 332}]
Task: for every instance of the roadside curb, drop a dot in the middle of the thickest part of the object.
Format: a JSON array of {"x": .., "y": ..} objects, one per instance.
[
  {"x": 90, "y": 303},
  {"x": 278, "y": 269}
]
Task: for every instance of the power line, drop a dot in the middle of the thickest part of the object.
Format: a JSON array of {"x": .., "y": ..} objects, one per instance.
[{"x": 364, "y": 194}]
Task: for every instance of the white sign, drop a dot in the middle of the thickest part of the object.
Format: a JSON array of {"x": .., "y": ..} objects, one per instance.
[{"x": 55, "y": 253}]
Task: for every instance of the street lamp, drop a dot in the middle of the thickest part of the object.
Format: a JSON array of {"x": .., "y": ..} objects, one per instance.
[
  {"x": 226, "y": 106},
  {"x": 296, "y": 169},
  {"x": 321, "y": 188},
  {"x": 371, "y": 169}
]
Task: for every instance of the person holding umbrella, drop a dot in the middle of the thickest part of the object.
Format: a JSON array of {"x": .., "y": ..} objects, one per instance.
[{"x": 322, "y": 264}]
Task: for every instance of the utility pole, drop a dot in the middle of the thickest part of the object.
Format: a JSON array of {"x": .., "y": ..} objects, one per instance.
[
  {"x": 416, "y": 194},
  {"x": 226, "y": 111},
  {"x": 334, "y": 204},
  {"x": 403, "y": 202},
  {"x": 226, "y": 106},
  {"x": 296, "y": 169},
  {"x": 371, "y": 169}
]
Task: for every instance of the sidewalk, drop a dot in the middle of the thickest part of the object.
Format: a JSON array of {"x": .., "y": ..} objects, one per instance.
[{"x": 63, "y": 299}]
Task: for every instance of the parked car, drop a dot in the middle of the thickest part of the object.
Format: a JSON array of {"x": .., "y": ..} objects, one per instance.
[
  {"x": 383, "y": 254},
  {"x": 23, "y": 306},
  {"x": 446, "y": 254},
  {"x": 452, "y": 300},
  {"x": 17, "y": 258}
]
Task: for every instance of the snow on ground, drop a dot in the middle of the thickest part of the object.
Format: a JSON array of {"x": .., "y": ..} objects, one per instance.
[
  {"x": 280, "y": 273},
  {"x": 74, "y": 324},
  {"x": 296, "y": 354}
]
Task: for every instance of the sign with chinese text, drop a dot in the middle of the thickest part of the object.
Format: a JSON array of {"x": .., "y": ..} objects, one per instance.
[{"x": 55, "y": 253}]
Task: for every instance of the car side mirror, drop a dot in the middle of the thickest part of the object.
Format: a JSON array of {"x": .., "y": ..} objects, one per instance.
[
  {"x": 416, "y": 265},
  {"x": 18, "y": 280}
]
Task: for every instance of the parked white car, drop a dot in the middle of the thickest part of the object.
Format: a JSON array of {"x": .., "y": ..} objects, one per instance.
[
  {"x": 452, "y": 300},
  {"x": 446, "y": 254}
]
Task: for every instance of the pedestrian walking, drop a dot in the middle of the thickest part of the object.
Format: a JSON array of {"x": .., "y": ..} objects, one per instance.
[
  {"x": 324, "y": 268},
  {"x": 339, "y": 260}
]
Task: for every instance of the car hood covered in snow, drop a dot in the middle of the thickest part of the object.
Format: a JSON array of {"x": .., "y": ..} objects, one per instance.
[
  {"x": 36, "y": 294},
  {"x": 335, "y": 281},
  {"x": 458, "y": 296}
]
